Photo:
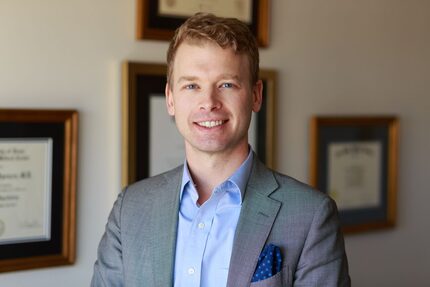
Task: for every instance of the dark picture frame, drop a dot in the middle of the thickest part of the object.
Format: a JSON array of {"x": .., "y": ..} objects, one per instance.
[
  {"x": 141, "y": 82},
  {"x": 152, "y": 25},
  {"x": 60, "y": 129},
  {"x": 355, "y": 161}
]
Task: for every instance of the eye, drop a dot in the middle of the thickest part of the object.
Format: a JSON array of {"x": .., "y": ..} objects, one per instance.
[
  {"x": 190, "y": 87},
  {"x": 227, "y": 85}
]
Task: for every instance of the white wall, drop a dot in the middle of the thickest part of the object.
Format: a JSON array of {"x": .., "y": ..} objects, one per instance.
[{"x": 333, "y": 57}]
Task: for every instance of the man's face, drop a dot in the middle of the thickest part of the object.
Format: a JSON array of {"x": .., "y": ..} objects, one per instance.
[{"x": 211, "y": 97}]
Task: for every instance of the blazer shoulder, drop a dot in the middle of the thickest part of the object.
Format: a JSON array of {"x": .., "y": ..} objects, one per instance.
[
  {"x": 284, "y": 188},
  {"x": 293, "y": 190}
]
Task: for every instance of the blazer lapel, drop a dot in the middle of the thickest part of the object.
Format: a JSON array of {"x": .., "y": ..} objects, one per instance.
[
  {"x": 162, "y": 228},
  {"x": 255, "y": 222}
]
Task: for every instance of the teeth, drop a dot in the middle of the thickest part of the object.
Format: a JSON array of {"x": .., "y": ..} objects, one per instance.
[{"x": 210, "y": 124}]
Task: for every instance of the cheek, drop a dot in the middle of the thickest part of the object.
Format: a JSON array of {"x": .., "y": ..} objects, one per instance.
[
  {"x": 247, "y": 105},
  {"x": 182, "y": 113},
  {"x": 243, "y": 113},
  {"x": 181, "y": 108}
]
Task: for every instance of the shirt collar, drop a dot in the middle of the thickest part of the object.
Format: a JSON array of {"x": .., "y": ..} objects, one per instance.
[{"x": 239, "y": 178}]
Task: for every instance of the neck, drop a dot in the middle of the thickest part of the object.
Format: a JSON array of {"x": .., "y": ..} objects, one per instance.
[{"x": 210, "y": 169}]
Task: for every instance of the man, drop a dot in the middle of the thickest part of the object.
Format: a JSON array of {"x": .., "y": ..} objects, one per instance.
[{"x": 222, "y": 217}]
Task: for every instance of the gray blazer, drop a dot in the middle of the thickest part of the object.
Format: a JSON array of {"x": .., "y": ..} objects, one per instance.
[{"x": 138, "y": 246}]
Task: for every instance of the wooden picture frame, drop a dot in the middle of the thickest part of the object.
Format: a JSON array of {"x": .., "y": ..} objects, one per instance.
[
  {"x": 153, "y": 24},
  {"x": 354, "y": 160},
  {"x": 38, "y": 161},
  {"x": 143, "y": 89}
]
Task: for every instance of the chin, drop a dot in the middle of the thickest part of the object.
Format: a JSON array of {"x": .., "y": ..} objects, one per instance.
[{"x": 208, "y": 147}]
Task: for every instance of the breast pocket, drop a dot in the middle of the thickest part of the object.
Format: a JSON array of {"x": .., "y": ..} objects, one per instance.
[{"x": 280, "y": 279}]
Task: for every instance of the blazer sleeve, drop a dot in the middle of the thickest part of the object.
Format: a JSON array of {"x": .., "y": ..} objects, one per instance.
[
  {"x": 323, "y": 260},
  {"x": 108, "y": 269}
]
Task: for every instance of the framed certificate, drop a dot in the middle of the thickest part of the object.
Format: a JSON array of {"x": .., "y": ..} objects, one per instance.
[
  {"x": 354, "y": 161},
  {"x": 37, "y": 188},
  {"x": 158, "y": 19},
  {"x": 151, "y": 142}
]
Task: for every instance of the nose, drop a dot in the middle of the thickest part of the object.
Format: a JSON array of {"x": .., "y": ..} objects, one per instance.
[{"x": 210, "y": 100}]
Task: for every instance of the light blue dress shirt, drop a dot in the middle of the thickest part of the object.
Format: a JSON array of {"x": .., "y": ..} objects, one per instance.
[{"x": 205, "y": 233}]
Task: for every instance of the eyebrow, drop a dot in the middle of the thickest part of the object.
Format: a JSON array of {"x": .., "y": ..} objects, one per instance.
[
  {"x": 187, "y": 79},
  {"x": 194, "y": 78},
  {"x": 230, "y": 76}
]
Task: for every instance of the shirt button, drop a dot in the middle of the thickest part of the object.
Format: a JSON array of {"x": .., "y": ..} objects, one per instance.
[
  {"x": 191, "y": 271},
  {"x": 201, "y": 225}
]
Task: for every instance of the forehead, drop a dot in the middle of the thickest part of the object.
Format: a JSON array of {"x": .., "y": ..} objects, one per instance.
[{"x": 208, "y": 56}]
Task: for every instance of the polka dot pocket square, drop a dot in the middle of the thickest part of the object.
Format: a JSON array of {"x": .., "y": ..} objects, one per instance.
[{"x": 269, "y": 263}]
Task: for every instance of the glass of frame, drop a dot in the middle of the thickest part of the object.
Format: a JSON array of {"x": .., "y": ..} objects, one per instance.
[
  {"x": 354, "y": 160},
  {"x": 38, "y": 155},
  {"x": 158, "y": 19},
  {"x": 151, "y": 142}
]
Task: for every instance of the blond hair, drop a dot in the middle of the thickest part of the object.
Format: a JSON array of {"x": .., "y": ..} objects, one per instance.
[{"x": 226, "y": 32}]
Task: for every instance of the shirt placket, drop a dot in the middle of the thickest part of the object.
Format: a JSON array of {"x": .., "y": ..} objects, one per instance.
[{"x": 197, "y": 241}]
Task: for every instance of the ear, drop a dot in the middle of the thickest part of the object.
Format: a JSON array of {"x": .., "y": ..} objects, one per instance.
[
  {"x": 257, "y": 96},
  {"x": 169, "y": 100}
]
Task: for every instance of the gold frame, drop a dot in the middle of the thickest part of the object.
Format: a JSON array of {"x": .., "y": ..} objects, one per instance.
[
  {"x": 270, "y": 78},
  {"x": 69, "y": 121},
  {"x": 132, "y": 70},
  {"x": 144, "y": 30},
  {"x": 391, "y": 124}
]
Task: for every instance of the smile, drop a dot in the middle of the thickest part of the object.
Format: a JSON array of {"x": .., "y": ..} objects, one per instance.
[{"x": 210, "y": 124}]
